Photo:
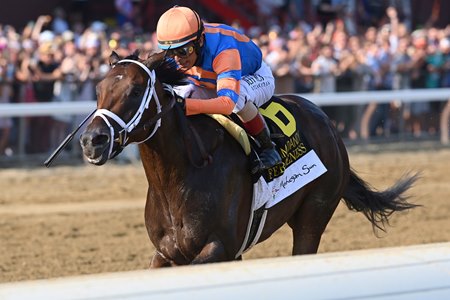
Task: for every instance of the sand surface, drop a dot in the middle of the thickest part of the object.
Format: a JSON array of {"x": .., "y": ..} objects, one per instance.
[{"x": 67, "y": 221}]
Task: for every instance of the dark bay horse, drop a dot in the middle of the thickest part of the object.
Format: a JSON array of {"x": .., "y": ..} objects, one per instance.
[{"x": 199, "y": 184}]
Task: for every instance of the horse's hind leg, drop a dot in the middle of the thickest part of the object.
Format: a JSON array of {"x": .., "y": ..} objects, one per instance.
[{"x": 310, "y": 221}]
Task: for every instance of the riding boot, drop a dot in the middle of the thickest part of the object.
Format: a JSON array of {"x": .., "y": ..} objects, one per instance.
[
  {"x": 269, "y": 156},
  {"x": 256, "y": 126}
]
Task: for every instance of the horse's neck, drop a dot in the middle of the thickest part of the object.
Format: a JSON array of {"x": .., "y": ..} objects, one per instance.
[{"x": 163, "y": 154}]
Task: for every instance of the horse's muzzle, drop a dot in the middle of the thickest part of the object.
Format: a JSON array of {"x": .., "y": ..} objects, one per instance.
[{"x": 95, "y": 145}]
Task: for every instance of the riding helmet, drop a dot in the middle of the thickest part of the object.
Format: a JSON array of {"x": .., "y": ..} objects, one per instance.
[{"x": 177, "y": 27}]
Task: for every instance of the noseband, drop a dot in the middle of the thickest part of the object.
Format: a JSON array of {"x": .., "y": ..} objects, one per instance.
[{"x": 127, "y": 127}]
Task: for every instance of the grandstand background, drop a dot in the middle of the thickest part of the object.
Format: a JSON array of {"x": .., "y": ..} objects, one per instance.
[
  {"x": 56, "y": 51},
  {"x": 244, "y": 10}
]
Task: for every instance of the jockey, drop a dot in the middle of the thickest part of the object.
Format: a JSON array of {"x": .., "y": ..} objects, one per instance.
[{"x": 226, "y": 71}]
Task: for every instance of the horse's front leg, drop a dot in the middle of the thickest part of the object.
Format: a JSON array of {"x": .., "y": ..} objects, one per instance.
[
  {"x": 158, "y": 261},
  {"x": 213, "y": 251}
]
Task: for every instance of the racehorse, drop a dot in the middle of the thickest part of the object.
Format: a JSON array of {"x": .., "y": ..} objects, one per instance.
[{"x": 199, "y": 182}]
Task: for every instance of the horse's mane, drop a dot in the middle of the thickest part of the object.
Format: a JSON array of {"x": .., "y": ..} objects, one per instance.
[{"x": 166, "y": 69}]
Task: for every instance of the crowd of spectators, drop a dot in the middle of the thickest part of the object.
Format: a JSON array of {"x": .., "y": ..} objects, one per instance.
[{"x": 54, "y": 60}]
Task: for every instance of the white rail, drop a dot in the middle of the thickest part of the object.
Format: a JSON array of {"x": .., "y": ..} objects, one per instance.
[
  {"x": 414, "y": 272},
  {"x": 358, "y": 98},
  {"x": 325, "y": 99},
  {"x": 46, "y": 108}
]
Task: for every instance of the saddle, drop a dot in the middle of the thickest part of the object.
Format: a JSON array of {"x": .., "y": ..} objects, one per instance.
[{"x": 236, "y": 131}]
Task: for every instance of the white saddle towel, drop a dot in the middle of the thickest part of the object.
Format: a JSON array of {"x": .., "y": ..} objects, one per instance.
[{"x": 297, "y": 175}]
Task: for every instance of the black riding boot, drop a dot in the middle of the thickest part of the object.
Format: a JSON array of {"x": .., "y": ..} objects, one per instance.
[{"x": 269, "y": 156}]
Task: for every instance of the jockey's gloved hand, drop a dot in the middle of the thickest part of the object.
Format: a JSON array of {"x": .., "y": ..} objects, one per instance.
[{"x": 181, "y": 102}]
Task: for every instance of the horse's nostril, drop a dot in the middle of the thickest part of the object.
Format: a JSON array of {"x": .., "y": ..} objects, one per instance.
[
  {"x": 99, "y": 139},
  {"x": 93, "y": 139}
]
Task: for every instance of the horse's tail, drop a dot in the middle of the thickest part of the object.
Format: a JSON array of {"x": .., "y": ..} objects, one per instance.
[{"x": 377, "y": 206}]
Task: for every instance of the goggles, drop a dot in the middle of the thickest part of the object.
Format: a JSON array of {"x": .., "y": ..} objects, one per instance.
[{"x": 181, "y": 51}]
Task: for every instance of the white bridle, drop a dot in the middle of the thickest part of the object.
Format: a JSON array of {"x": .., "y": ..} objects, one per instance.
[{"x": 127, "y": 127}]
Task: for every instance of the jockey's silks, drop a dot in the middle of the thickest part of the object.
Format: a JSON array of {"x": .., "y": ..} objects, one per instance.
[{"x": 227, "y": 55}]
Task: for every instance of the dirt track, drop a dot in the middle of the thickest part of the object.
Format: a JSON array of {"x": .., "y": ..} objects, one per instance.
[{"x": 80, "y": 220}]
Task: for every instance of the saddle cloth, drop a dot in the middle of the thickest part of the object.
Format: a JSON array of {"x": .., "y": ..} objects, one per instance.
[
  {"x": 300, "y": 164},
  {"x": 278, "y": 183}
]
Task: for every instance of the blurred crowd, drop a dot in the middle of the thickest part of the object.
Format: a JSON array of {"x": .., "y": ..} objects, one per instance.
[{"x": 51, "y": 59}]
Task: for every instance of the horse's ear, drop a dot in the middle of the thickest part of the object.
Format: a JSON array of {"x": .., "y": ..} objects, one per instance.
[{"x": 113, "y": 58}]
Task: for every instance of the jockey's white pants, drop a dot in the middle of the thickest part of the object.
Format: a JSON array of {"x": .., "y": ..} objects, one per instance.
[{"x": 257, "y": 88}]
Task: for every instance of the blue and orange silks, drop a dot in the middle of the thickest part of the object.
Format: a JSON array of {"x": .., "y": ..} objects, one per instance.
[{"x": 227, "y": 55}]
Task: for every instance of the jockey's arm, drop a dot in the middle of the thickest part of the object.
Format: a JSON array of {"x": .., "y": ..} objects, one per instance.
[
  {"x": 227, "y": 66},
  {"x": 219, "y": 105},
  {"x": 224, "y": 103}
]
